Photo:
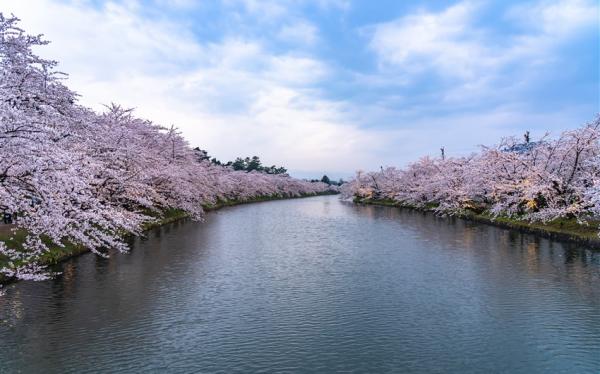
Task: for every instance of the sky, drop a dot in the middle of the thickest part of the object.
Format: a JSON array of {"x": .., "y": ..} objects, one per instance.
[{"x": 331, "y": 86}]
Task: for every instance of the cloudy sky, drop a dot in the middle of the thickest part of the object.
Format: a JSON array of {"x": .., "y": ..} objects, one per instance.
[{"x": 331, "y": 85}]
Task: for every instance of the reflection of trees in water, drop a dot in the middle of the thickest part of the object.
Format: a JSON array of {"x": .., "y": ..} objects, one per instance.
[
  {"x": 105, "y": 289},
  {"x": 539, "y": 257},
  {"x": 11, "y": 309}
]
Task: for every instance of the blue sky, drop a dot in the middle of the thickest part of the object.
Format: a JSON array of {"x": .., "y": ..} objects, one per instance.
[{"x": 331, "y": 85}]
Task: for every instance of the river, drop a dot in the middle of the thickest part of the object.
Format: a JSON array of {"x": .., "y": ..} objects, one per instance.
[{"x": 313, "y": 285}]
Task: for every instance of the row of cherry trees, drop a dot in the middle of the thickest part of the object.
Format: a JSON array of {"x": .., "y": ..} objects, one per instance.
[
  {"x": 71, "y": 175},
  {"x": 543, "y": 180}
]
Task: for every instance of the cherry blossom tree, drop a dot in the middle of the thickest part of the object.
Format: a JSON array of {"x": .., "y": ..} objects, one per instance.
[{"x": 542, "y": 180}]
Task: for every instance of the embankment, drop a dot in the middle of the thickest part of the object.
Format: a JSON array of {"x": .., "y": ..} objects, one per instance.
[
  {"x": 58, "y": 254},
  {"x": 567, "y": 230}
]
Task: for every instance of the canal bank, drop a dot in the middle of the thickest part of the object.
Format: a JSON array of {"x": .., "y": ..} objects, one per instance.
[
  {"x": 58, "y": 254},
  {"x": 566, "y": 230}
]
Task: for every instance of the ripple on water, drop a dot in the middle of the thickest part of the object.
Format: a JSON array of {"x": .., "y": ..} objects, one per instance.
[{"x": 314, "y": 285}]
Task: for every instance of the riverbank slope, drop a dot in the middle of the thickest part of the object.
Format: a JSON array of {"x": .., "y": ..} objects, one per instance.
[
  {"x": 568, "y": 230},
  {"x": 59, "y": 254}
]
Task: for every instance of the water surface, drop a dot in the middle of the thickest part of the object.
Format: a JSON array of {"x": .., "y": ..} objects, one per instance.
[{"x": 314, "y": 285}]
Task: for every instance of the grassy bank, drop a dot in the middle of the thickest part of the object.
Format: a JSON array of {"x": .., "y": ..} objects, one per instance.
[
  {"x": 562, "y": 229},
  {"x": 58, "y": 254}
]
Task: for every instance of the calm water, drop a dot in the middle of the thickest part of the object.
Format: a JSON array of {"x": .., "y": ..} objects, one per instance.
[{"x": 314, "y": 285}]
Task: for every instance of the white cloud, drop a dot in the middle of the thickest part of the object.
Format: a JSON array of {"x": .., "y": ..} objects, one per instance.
[
  {"x": 108, "y": 42},
  {"x": 233, "y": 97},
  {"x": 301, "y": 32},
  {"x": 265, "y": 9},
  {"x": 443, "y": 41},
  {"x": 478, "y": 69},
  {"x": 559, "y": 18},
  {"x": 452, "y": 44}
]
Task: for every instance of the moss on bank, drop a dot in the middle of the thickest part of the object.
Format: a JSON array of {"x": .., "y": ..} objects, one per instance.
[
  {"x": 58, "y": 254},
  {"x": 562, "y": 229}
]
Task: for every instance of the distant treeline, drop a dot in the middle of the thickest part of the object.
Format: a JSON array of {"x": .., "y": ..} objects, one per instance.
[
  {"x": 254, "y": 164},
  {"x": 325, "y": 179},
  {"x": 244, "y": 164}
]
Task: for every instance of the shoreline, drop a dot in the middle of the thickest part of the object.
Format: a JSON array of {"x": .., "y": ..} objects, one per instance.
[
  {"x": 58, "y": 255},
  {"x": 560, "y": 230}
]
